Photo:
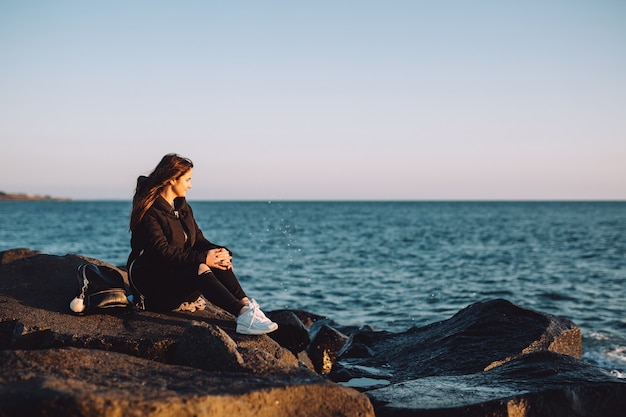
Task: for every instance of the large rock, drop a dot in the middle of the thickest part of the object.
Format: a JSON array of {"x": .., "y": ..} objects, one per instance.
[
  {"x": 490, "y": 359},
  {"x": 477, "y": 338},
  {"x": 55, "y": 363},
  {"x": 324, "y": 348},
  {"x": 80, "y": 382},
  {"x": 537, "y": 384},
  {"x": 291, "y": 333}
]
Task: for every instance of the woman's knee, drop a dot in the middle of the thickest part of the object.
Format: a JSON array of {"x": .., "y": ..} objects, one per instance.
[{"x": 203, "y": 268}]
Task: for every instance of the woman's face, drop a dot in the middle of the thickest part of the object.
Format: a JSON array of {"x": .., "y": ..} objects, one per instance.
[{"x": 182, "y": 184}]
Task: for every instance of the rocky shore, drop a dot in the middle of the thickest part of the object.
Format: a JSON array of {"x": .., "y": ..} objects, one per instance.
[
  {"x": 29, "y": 197},
  {"x": 492, "y": 358}
]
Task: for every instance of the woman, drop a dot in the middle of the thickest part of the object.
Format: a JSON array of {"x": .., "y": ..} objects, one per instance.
[{"x": 171, "y": 261}]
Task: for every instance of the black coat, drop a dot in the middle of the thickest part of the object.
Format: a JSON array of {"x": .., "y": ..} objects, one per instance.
[{"x": 168, "y": 239}]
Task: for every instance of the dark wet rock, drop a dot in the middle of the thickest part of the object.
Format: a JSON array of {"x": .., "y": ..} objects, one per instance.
[
  {"x": 56, "y": 363},
  {"x": 291, "y": 332},
  {"x": 541, "y": 383},
  {"x": 324, "y": 348},
  {"x": 490, "y": 359},
  {"x": 479, "y": 337}
]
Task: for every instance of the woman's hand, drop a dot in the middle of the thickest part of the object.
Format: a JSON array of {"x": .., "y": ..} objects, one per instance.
[{"x": 219, "y": 259}]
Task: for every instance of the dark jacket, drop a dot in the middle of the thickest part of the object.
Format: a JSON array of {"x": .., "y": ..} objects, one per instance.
[{"x": 168, "y": 238}]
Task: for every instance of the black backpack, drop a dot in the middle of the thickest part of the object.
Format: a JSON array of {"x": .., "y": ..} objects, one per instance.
[{"x": 100, "y": 289}]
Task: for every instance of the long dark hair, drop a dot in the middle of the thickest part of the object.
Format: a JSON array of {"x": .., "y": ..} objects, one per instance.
[{"x": 172, "y": 166}]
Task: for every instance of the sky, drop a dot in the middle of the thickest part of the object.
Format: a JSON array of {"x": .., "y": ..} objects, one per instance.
[{"x": 316, "y": 100}]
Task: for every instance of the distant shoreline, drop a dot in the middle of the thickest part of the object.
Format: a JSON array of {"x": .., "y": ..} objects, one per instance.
[{"x": 28, "y": 197}]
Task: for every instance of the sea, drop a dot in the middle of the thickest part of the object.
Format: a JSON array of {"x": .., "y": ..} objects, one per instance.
[{"x": 391, "y": 265}]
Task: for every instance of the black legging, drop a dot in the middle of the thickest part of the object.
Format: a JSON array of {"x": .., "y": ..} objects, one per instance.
[
  {"x": 222, "y": 289},
  {"x": 166, "y": 293}
]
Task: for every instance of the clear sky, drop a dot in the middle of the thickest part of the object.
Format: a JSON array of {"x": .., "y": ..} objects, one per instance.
[{"x": 316, "y": 100}]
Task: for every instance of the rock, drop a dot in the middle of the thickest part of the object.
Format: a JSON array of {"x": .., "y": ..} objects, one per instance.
[
  {"x": 10, "y": 331},
  {"x": 540, "y": 383},
  {"x": 206, "y": 346},
  {"x": 9, "y": 256},
  {"x": 324, "y": 348},
  {"x": 477, "y": 338},
  {"x": 489, "y": 359},
  {"x": 95, "y": 364},
  {"x": 308, "y": 319},
  {"x": 291, "y": 332},
  {"x": 90, "y": 383}
]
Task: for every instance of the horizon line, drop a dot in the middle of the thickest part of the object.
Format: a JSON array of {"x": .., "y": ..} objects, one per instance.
[{"x": 349, "y": 200}]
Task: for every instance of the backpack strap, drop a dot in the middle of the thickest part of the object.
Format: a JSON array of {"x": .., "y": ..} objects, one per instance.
[{"x": 141, "y": 302}]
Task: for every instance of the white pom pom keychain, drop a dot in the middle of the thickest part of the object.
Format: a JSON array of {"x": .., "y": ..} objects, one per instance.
[{"x": 77, "y": 305}]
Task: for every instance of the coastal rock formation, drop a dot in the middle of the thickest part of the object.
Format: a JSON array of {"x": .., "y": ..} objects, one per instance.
[
  {"x": 533, "y": 385},
  {"x": 492, "y": 358},
  {"x": 142, "y": 363},
  {"x": 94, "y": 382},
  {"x": 494, "y": 332},
  {"x": 29, "y": 197}
]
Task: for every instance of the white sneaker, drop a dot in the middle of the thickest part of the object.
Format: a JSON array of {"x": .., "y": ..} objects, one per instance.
[
  {"x": 255, "y": 305},
  {"x": 251, "y": 322}
]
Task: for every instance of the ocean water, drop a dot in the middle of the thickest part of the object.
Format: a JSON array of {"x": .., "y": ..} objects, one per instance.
[{"x": 391, "y": 265}]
